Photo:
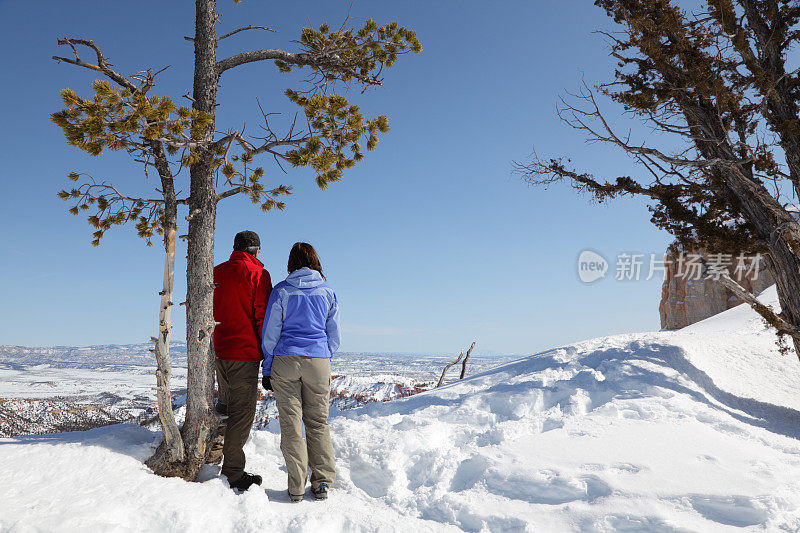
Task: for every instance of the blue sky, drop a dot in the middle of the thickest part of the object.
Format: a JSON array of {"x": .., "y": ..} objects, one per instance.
[{"x": 431, "y": 242}]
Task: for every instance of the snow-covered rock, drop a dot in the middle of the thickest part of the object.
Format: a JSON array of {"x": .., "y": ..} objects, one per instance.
[{"x": 693, "y": 430}]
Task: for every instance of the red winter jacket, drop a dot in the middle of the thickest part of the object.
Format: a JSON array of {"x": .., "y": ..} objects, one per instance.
[{"x": 240, "y": 300}]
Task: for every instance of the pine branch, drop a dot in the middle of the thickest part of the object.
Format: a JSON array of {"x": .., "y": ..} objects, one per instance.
[
  {"x": 263, "y": 55},
  {"x": 342, "y": 55},
  {"x": 230, "y": 192}
]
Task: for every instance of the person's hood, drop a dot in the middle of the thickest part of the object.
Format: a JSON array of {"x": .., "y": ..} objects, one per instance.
[
  {"x": 304, "y": 278},
  {"x": 244, "y": 256}
]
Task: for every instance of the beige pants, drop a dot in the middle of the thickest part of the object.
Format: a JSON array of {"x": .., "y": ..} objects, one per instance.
[{"x": 302, "y": 394}]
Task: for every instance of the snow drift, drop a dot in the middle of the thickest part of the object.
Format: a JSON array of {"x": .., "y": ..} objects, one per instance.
[{"x": 694, "y": 430}]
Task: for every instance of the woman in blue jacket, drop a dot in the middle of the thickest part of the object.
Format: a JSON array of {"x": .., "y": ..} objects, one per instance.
[{"x": 300, "y": 334}]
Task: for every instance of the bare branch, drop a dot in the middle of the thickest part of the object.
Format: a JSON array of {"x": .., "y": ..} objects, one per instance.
[
  {"x": 102, "y": 65},
  {"x": 464, "y": 363},
  {"x": 245, "y": 28},
  {"x": 579, "y": 119},
  {"x": 273, "y": 142},
  {"x": 447, "y": 367}
]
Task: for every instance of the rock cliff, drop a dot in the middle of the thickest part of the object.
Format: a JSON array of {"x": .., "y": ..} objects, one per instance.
[{"x": 687, "y": 297}]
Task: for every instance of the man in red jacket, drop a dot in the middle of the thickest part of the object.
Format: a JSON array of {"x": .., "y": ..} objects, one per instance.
[{"x": 240, "y": 300}]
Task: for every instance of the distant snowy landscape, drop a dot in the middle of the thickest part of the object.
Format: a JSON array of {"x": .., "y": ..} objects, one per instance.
[
  {"x": 691, "y": 430},
  {"x": 66, "y": 388}
]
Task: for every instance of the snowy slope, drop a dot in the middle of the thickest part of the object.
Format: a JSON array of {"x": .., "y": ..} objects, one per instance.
[{"x": 695, "y": 430}]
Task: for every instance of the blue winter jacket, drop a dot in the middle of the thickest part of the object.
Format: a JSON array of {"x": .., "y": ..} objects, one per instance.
[{"x": 302, "y": 318}]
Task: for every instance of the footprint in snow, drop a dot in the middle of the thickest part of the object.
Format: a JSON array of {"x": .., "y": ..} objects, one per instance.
[
  {"x": 707, "y": 459},
  {"x": 739, "y": 511}
]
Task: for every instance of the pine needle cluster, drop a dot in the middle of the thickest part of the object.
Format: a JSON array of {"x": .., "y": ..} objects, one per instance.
[
  {"x": 247, "y": 180},
  {"x": 348, "y": 55},
  {"x": 337, "y": 129},
  {"x": 120, "y": 119}
]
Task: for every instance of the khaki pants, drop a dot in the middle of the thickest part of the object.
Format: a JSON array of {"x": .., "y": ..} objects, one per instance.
[
  {"x": 302, "y": 394},
  {"x": 240, "y": 380}
]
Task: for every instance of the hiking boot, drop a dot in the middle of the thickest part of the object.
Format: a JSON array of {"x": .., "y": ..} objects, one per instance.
[
  {"x": 295, "y": 497},
  {"x": 246, "y": 481},
  {"x": 321, "y": 492}
]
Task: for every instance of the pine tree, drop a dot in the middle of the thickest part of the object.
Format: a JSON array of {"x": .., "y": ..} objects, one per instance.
[
  {"x": 122, "y": 114},
  {"x": 716, "y": 82}
]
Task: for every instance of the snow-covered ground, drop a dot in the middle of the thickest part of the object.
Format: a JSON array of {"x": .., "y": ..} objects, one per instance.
[{"x": 695, "y": 430}]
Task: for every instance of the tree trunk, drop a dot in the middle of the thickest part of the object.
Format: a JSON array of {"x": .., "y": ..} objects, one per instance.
[
  {"x": 773, "y": 225},
  {"x": 782, "y": 249},
  {"x": 170, "y": 452},
  {"x": 782, "y": 117},
  {"x": 786, "y": 267},
  {"x": 196, "y": 432},
  {"x": 200, "y": 418},
  {"x": 171, "y": 449}
]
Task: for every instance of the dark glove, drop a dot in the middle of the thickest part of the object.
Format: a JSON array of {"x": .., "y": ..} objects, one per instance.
[{"x": 265, "y": 383}]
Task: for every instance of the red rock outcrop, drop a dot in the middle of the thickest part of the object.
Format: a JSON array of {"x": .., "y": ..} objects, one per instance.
[{"x": 687, "y": 297}]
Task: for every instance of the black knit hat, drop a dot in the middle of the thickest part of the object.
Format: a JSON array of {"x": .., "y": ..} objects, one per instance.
[{"x": 246, "y": 239}]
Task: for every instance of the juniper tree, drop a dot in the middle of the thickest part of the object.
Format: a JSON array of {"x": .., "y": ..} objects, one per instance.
[
  {"x": 714, "y": 81},
  {"x": 123, "y": 115}
]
